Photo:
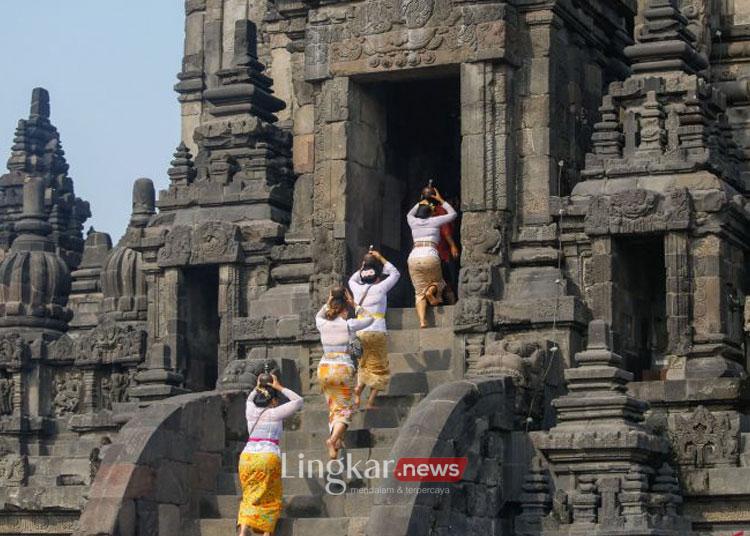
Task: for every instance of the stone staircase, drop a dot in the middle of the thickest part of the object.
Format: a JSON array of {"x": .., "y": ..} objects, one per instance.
[{"x": 419, "y": 360}]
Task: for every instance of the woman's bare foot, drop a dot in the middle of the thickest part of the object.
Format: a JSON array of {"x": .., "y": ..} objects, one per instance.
[
  {"x": 432, "y": 295},
  {"x": 371, "y": 399}
]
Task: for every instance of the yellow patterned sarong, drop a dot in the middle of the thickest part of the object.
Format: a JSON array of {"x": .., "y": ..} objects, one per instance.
[
  {"x": 260, "y": 478},
  {"x": 425, "y": 272},
  {"x": 337, "y": 383},
  {"x": 374, "y": 369}
]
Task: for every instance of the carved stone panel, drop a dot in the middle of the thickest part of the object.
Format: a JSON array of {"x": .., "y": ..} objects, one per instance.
[
  {"x": 111, "y": 343},
  {"x": 68, "y": 393},
  {"x": 176, "y": 249},
  {"x": 212, "y": 242},
  {"x": 705, "y": 438},
  {"x": 639, "y": 211},
  {"x": 386, "y": 35},
  {"x": 13, "y": 350}
]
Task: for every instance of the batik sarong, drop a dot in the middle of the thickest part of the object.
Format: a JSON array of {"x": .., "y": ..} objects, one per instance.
[
  {"x": 426, "y": 272},
  {"x": 260, "y": 478},
  {"x": 336, "y": 380},
  {"x": 374, "y": 369}
]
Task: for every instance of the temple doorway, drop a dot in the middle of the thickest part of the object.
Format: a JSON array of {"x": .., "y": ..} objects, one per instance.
[
  {"x": 407, "y": 132},
  {"x": 641, "y": 288},
  {"x": 200, "y": 312}
]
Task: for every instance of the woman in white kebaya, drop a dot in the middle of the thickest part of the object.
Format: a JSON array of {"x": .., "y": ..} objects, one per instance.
[
  {"x": 370, "y": 286},
  {"x": 424, "y": 261}
]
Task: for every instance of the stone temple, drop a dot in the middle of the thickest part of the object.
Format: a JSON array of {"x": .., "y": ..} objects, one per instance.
[{"x": 593, "y": 371}]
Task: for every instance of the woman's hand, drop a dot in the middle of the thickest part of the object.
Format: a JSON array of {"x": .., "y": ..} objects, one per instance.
[
  {"x": 455, "y": 252},
  {"x": 349, "y": 298},
  {"x": 276, "y": 384},
  {"x": 438, "y": 196},
  {"x": 375, "y": 253}
]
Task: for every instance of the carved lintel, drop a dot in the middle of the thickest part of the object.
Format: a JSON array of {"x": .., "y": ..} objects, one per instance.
[{"x": 639, "y": 211}]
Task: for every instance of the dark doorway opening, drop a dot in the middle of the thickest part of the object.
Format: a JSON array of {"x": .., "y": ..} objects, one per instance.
[
  {"x": 641, "y": 319},
  {"x": 201, "y": 316},
  {"x": 416, "y": 128}
]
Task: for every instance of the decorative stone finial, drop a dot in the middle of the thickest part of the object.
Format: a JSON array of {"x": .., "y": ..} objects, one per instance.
[
  {"x": 245, "y": 43},
  {"x": 144, "y": 202},
  {"x": 244, "y": 89},
  {"x": 182, "y": 171},
  {"x": 40, "y": 103}
]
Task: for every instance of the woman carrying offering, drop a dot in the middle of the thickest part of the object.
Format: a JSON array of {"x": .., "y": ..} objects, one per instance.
[
  {"x": 260, "y": 461},
  {"x": 424, "y": 261},
  {"x": 336, "y": 368},
  {"x": 370, "y": 286}
]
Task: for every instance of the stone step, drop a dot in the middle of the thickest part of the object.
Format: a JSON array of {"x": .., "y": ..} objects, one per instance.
[
  {"x": 405, "y": 383},
  {"x": 414, "y": 340},
  {"x": 427, "y": 360},
  {"x": 328, "y": 526},
  {"x": 379, "y": 417},
  {"x": 228, "y": 483},
  {"x": 353, "y": 438},
  {"x": 225, "y": 506},
  {"x": 406, "y": 318}
]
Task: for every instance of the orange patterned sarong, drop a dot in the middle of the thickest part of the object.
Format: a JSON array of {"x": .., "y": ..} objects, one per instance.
[
  {"x": 260, "y": 478},
  {"x": 337, "y": 383}
]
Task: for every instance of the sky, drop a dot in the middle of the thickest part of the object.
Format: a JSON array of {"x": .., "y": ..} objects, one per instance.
[{"x": 110, "y": 67}]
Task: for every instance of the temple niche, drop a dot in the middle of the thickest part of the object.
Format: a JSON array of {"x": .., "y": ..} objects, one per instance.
[{"x": 593, "y": 370}]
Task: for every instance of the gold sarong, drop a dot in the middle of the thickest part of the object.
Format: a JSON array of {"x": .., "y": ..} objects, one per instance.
[
  {"x": 337, "y": 383},
  {"x": 425, "y": 272},
  {"x": 374, "y": 369},
  {"x": 260, "y": 478}
]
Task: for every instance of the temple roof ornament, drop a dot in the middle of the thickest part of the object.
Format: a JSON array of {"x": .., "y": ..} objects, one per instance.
[
  {"x": 37, "y": 152},
  {"x": 34, "y": 279}
]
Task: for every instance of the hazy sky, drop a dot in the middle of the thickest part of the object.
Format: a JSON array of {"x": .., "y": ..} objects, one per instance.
[{"x": 109, "y": 66}]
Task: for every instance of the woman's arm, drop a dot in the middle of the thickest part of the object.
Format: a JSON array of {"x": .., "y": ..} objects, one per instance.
[
  {"x": 392, "y": 276},
  {"x": 411, "y": 215},
  {"x": 356, "y": 324},
  {"x": 448, "y": 217},
  {"x": 321, "y": 317}
]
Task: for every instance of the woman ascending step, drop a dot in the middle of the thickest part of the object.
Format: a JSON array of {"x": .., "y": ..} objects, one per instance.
[
  {"x": 336, "y": 368},
  {"x": 260, "y": 461},
  {"x": 370, "y": 286},
  {"x": 424, "y": 261}
]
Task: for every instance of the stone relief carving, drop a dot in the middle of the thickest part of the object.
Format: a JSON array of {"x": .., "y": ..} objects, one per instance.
[
  {"x": 473, "y": 314},
  {"x": 215, "y": 242},
  {"x": 13, "y": 350},
  {"x": 476, "y": 281},
  {"x": 121, "y": 383},
  {"x": 395, "y": 34},
  {"x": 63, "y": 349},
  {"x": 115, "y": 389},
  {"x": 13, "y": 468},
  {"x": 483, "y": 235},
  {"x": 105, "y": 391},
  {"x": 638, "y": 211},
  {"x": 177, "y": 247},
  {"x": 209, "y": 243},
  {"x": 68, "y": 390},
  {"x": 524, "y": 362},
  {"x": 112, "y": 342},
  {"x": 705, "y": 438},
  {"x": 6, "y": 396}
]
